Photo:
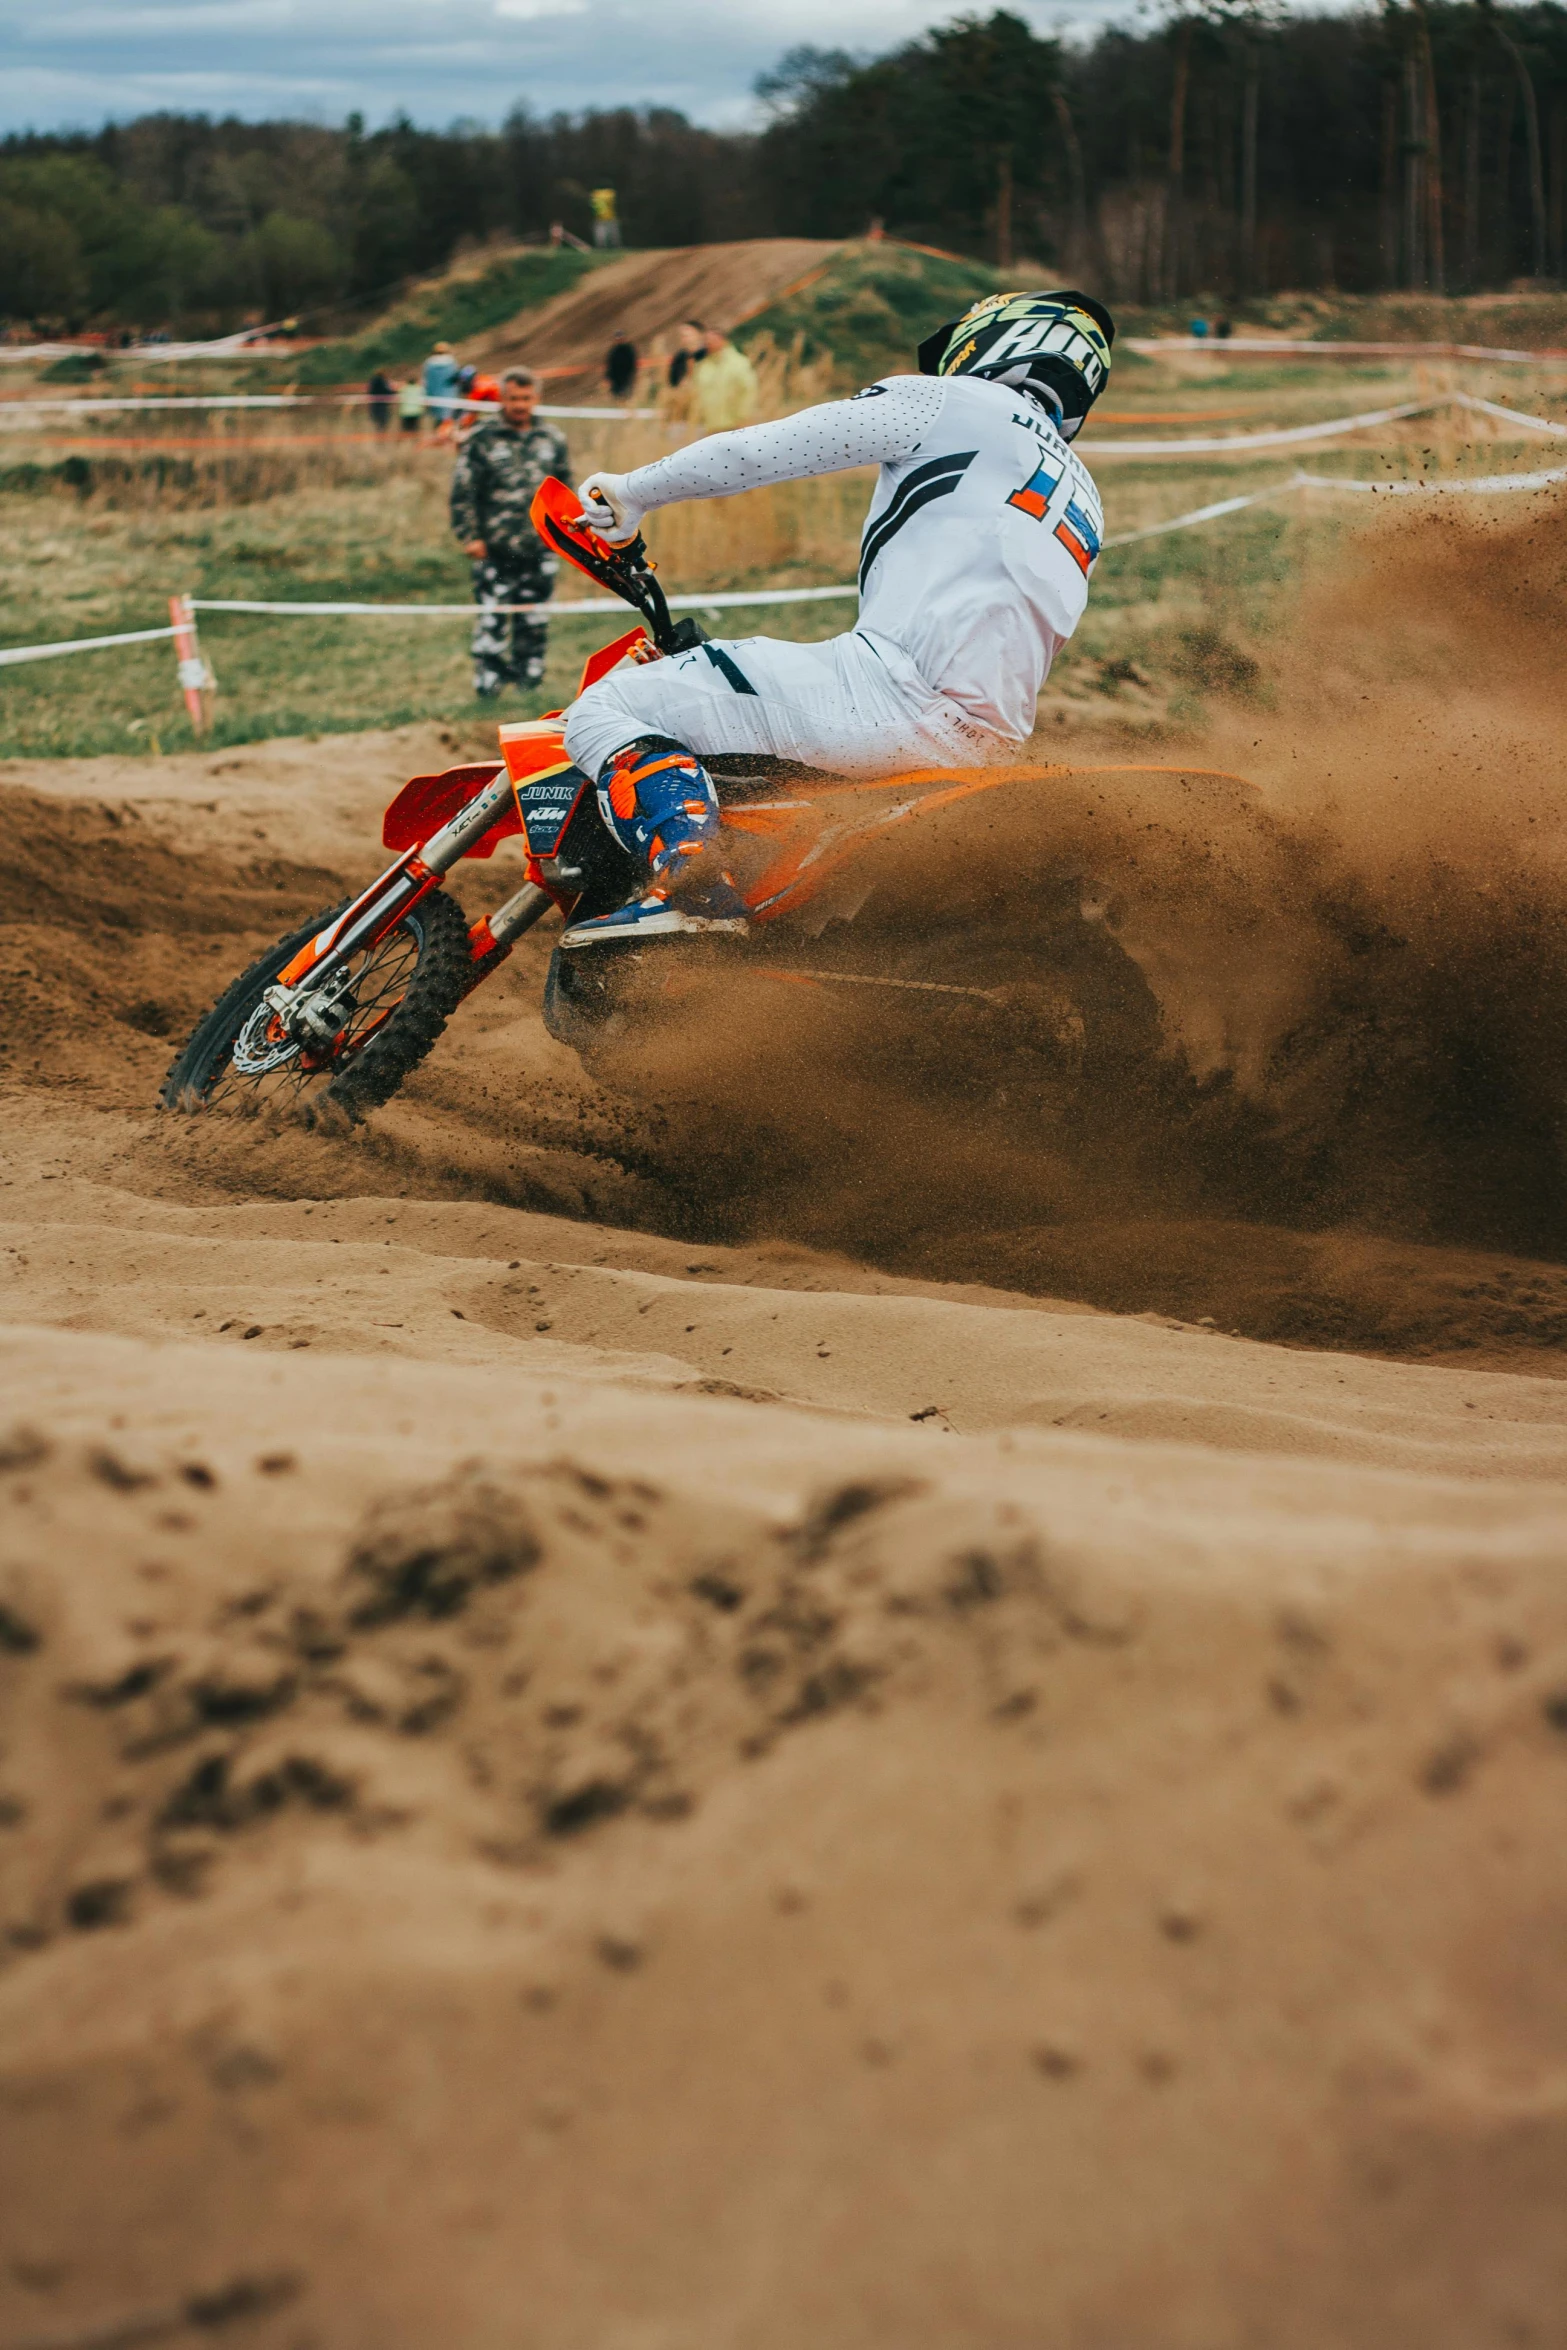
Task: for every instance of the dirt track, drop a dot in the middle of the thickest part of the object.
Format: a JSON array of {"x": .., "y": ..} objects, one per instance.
[
  {"x": 716, "y": 1760},
  {"x": 647, "y": 294}
]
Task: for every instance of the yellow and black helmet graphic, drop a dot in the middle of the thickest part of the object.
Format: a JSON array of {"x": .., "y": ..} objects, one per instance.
[{"x": 1056, "y": 344}]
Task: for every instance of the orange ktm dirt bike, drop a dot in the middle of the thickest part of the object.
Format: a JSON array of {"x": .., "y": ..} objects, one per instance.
[{"x": 347, "y": 1006}]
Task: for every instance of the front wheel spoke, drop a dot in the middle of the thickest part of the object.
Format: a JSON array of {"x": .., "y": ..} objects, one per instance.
[{"x": 252, "y": 1076}]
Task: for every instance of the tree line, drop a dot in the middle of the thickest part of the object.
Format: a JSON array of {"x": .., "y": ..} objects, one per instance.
[
  {"x": 1228, "y": 150},
  {"x": 1231, "y": 150}
]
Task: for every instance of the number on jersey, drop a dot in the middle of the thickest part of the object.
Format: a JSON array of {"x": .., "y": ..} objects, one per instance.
[{"x": 1077, "y": 530}]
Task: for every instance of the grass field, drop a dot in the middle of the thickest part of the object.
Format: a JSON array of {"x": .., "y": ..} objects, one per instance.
[
  {"x": 317, "y": 512},
  {"x": 480, "y": 292}
]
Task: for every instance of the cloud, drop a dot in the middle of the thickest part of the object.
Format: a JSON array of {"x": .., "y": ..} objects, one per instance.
[{"x": 88, "y": 60}]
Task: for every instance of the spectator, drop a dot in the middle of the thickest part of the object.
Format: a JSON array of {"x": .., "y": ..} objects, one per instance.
[
  {"x": 440, "y": 386},
  {"x": 410, "y": 405},
  {"x": 690, "y": 347},
  {"x": 501, "y": 464},
  {"x": 620, "y": 366},
  {"x": 725, "y": 387},
  {"x": 382, "y": 392},
  {"x": 465, "y": 376},
  {"x": 484, "y": 390},
  {"x": 606, "y": 224}
]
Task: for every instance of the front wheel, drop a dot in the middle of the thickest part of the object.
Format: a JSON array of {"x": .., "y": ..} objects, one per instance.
[{"x": 404, "y": 990}]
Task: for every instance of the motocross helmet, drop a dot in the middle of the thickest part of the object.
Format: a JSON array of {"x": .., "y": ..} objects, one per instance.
[{"x": 1055, "y": 345}]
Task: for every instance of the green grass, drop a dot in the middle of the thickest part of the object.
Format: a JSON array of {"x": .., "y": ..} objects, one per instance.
[
  {"x": 446, "y": 311},
  {"x": 82, "y": 569},
  {"x": 870, "y": 306},
  {"x": 388, "y": 542}
]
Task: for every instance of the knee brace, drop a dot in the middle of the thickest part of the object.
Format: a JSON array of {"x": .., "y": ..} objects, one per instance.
[{"x": 658, "y": 800}]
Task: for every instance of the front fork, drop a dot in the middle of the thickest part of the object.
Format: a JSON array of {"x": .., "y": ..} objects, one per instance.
[{"x": 311, "y": 995}]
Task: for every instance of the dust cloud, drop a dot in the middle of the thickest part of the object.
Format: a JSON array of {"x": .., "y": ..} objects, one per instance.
[{"x": 1322, "y": 969}]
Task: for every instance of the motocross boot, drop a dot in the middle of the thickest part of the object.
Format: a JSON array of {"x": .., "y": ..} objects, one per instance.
[{"x": 658, "y": 800}]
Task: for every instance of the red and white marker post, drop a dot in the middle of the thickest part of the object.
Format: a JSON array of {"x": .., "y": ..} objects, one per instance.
[{"x": 195, "y": 677}]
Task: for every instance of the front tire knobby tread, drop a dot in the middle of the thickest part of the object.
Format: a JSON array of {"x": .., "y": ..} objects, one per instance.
[{"x": 440, "y": 981}]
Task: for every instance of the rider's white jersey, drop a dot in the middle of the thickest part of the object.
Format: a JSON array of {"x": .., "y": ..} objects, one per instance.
[{"x": 977, "y": 550}]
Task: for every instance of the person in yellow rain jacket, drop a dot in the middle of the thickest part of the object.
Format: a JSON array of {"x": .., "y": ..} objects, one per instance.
[
  {"x": 606, "y": 219},
  {"x": 723, "y": 388}
]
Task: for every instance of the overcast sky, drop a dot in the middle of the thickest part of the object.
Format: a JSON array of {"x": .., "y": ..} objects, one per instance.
[{"x": 76, "y": 63}]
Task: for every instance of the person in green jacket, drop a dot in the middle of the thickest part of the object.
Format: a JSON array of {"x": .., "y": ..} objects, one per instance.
[{"x": 502, "y": 463}]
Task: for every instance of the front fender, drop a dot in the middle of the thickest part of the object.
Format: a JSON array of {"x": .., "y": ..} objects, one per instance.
[{"x": 427, "y": 802}]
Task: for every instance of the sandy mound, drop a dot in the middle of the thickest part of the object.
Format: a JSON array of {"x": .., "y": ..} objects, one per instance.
[
  {"x": 466, "y": 1840},
  {"x": 647, "y": 294},
  {"x": 625, "y": 1701}
]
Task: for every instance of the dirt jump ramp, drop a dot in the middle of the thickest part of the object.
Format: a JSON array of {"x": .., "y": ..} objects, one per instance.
[{"x": 646, "y": 295}]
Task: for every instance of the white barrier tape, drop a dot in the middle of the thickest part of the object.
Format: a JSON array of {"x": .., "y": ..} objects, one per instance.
[
  {"x": 727, "y": 599},
  {"x": 1541, "y": 478},
  {"x": 385, "y": 611},
  {"x": 246, "y": 343},
  {"x": 1219, "y": 444},
  {"x": 1274, "y": 347},
  {"x": 150, "y": 400},
  {"x": 720, "y": 601},
  {"x": 118, "y": 406},
  {"x": 251, "y": 341},
  {"x": 1509, "y": 415},
  {"x": 1237, "y": 443},
  {"x": 478, "y": 407},
  {"x": 1127, "y": 538},
  {"x": 723, "y": 600},
  {"x": 80, "y": 644}
]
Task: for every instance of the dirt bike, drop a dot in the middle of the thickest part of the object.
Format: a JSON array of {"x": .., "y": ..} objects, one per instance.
[{"x": 347, "y": 1006}]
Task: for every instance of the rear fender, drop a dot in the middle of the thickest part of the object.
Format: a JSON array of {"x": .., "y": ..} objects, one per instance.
[{"x": 429, "y": 801}]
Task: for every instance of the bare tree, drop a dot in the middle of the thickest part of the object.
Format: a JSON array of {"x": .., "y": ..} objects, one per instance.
[
  {"x": 1175, "y": 176},
  {"x": 1432, "y": 135},
  {"x": 1531, "y": 121},
  {"x": 1469, "y": 266},
  {"x": 1077, "y": 180}
]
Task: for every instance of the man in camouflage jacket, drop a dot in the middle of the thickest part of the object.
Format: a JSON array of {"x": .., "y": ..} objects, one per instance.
[{"x": 502, "y": 463}]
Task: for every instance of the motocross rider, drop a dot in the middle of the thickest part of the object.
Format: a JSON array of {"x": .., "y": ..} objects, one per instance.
[{"x": 974, "y": 566}]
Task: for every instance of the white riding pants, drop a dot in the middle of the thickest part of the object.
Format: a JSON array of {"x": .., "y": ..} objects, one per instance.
[{"x": 854, "y": 706}]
